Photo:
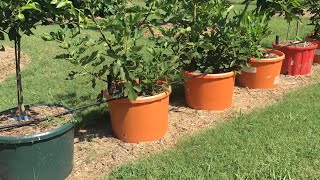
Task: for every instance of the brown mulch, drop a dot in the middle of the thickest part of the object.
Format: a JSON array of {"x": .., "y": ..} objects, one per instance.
[
  {"x": 97, "y": 152},
  {"x": 8, "y": 63},
  {"x": 34, "y": 113}
]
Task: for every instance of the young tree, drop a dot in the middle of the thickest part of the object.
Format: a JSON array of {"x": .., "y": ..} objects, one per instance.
[{"x": 19, "y": 18}]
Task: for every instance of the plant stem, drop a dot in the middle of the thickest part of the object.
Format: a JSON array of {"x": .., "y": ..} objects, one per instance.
[
  {"x": 17, "y": 47},
  {"x": 288, "y": 30},
  {"x": 297, "y": 30}
]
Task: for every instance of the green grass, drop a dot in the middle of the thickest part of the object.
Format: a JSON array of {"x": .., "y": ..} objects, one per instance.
[{"x": 280, "y": 142}]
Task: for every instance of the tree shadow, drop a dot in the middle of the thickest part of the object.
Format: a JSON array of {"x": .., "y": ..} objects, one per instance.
[
  {"x": 93, "y": 123},
  {"x": 71, "y": 99}
]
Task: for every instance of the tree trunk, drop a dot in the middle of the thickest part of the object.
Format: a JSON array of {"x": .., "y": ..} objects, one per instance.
[{"x": 17, "y": 47}]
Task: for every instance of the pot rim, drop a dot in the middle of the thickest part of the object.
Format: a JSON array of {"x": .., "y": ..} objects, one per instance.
[
  {"x": 37, "y": 137},
  {"x": 208, "y": 76},
  {"x": 141, "y": 99},
  {"x": 268, "y": 60},
  {"x": 315, "y": 45}
]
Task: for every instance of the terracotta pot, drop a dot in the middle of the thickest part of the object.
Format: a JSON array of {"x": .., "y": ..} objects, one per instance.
[
  {"x": 263, "y": 74},
  {"x": 210, "y": 91},
  {"x": 317, "y": 53},
  {"x": 145, "y": 119},
  {"x": 298, "y": 60}
]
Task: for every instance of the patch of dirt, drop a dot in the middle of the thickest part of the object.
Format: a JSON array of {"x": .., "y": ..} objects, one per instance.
[
  {"x": 8, "y": 63},
  {"x": 97, "y": 152},
  {"x": 34, "y": 113}
]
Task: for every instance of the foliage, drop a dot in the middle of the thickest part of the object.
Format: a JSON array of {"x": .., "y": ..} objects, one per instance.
[
  {"x": 314, "y": 9},
  {"x": 290, "y": 9},
  {"x": 206, "y": 39},
  {"x": 116, "y": 51},
  {"x": 100, "y": 8}
]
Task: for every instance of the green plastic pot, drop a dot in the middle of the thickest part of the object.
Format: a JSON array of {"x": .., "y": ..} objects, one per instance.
[{"x": 43, "y": 156}]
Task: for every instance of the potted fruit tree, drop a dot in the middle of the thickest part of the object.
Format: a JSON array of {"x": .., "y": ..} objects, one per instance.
[
  {"x": 137, "y": 66},
  {"x": 299, "y": 54},
  {"x": 44, "y": 150},
  {"x": 263, "y": 72},
  {"x": 211, "y": 47},
  {"x": 314, "y": 9}
]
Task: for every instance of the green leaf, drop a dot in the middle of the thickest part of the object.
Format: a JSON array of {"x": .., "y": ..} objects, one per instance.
[
  {"x": 137, "y": 87},
  {"x": 90, "y": 43},
  {"x": 62, "y": 4},
  {"x": 21, "y": 17},
  {"x": 32, "y": 6},
  {"x": 132, "y": 95},
  {"x": 54, "y": 2},
  {"x": 166, "y": 87},
  {"x": 230, "y": 8}
]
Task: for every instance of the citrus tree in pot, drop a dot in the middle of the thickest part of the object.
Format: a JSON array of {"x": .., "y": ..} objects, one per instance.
[
  {"x": 45, "y": 149},
  {"x": 299, "y": 54},
  {"x": 138, "y": 67},
  {"x": 314, "y": 10},
  {"x": 212, "y": 47},
  {"x": 264, "y": 71}
]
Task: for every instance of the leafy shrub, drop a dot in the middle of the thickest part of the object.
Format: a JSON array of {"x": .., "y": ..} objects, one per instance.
[
  {"x": 206, "y": 39},
  {"x": 314, "y": 9},
  {"x": 135, "y": 64}
]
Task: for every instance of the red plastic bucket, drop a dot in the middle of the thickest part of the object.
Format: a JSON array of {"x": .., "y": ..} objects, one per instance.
[{"x": 298, "y": 60}]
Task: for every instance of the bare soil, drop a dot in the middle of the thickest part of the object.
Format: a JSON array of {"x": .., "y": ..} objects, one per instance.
[
  {"x": 97, "y": 152},
  {"x": 8, "y": 63},
  {"x": 34, "y": 113}
]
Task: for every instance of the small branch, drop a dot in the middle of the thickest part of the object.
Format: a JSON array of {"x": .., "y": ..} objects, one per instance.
[
  {"x": 297, "y": 30},
  {"x": 146, "y": 16},
  {"x": 288, "y": 31},
  {"x": 100, "y": 29}
]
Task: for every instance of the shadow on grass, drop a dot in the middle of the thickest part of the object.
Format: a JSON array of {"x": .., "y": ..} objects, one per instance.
[
  {"x": 72, "y": 99},
  {"x": 93, "y": 123}
]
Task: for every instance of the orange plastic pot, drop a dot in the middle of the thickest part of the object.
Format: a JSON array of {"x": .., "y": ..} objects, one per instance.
[
  {"x": 210, "y": 91},
  {"x": 145, "y": 119},
  {"x": 317, "y": 53},
  {"x": 263, "y": 74}
]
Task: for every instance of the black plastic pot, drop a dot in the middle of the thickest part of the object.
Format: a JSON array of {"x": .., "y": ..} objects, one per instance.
[{"x": 43, "y": 156}]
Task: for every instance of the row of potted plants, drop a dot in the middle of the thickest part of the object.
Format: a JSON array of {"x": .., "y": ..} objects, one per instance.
[
  {"x": 140, "y": 48},
  {"x": 207, "y": 41}
]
